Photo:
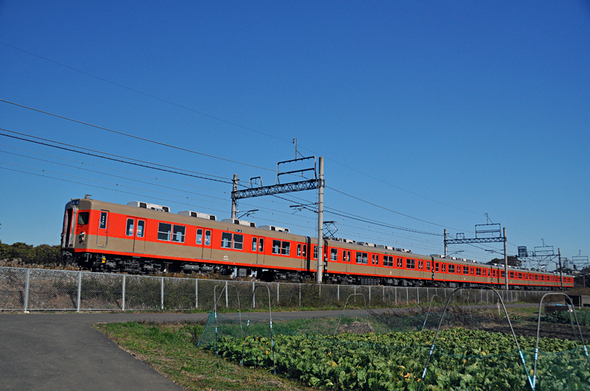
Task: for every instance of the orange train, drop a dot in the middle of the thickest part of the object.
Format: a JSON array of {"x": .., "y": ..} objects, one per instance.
[{"x": 146, "y": 238}]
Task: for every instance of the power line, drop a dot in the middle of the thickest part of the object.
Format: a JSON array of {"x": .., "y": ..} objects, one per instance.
[
  {"x": 390, "y": 210},
  {"x": 133, "y": 136},
  {"x": 117, "y": 158}
]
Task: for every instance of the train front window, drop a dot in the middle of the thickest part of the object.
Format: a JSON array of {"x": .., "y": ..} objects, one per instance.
[{"x": 83, "y": 218}]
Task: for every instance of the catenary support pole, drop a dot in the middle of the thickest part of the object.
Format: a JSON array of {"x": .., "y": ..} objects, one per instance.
[{"x": 320, "y": 271}]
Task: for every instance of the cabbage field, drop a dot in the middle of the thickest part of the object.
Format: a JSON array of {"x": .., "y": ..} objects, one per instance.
[{"x": 463, "y": 359}]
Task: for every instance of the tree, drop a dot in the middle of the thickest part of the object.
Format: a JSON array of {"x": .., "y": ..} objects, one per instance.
[{"x": 512, "y": 261}]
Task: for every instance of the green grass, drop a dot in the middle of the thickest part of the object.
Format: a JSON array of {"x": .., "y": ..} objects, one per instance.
[{"x": 171, "y": 350}]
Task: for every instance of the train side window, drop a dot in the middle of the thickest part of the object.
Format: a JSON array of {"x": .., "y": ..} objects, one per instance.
[
  {"x": 178, "y": 235},
  {"x": 226, "y": 241},
  {"x": 276, "y": 246},
  {"x": 164, "y": 231},
  {"x": 129, "y": 230},
  {"x": 377, "y": 260},
  {"x": 103, "y": 220},
  {"x": 511, "y": 274},
  {"x": 304, "y": 250},
  {"x": 261, "y": 245},
  {"x": 478, "y": 271},
  {"x": 140, "y": 228},
  {"x": 315, "y": 252},
  {"x": 207, "y": 238},
  {"x": 348, "y": 256},
  {"x": 333, "y": 254},
  {"x": 502, "y": 274},
  {"x": 286, "y": 248},
  {"x": 238, "y": 242},
  {"x": 520, "y": 276},
  {"x": 298, "y": 250},
  {"x": 359, "y": 258},
  {"x": 465, "y": 269},
  {"x": 83, "y": 218},
  {"x": 451, "y": 268},
  {"x": 443, "y": 267},
  {"x": 199, "y": 236},
  {"x": 365, "y": 258},
  {"x": 427, "y": 265},
  {"x": 420, "y": 265},
  {"x": 436, "y": 267},
  {"x": 343, "y": 256},
  {"x": 254, "y": 245}
]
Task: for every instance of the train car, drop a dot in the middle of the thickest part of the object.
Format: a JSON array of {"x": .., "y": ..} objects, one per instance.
[{"x": 141, "y": 237}]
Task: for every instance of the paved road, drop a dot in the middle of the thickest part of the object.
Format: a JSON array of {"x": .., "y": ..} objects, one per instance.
[{"x": 62, "y": 352}]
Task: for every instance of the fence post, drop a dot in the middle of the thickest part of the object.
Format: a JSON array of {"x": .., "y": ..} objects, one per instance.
[
  {"x": 407, "y": 296},
  {"x": 299, "y": 295},
  {"x": 123, "y": 301},
  {"x": 418, "y": 295},
  {"x": 27, "y": 286},
  {"x": 79, "y": 289},
  {"x": 226, "y": 297},
  {"x": 253, "y": 294},
  {"x": 196, "y": 293},
  {"x": 278, "y": 284},
  {"x": 162, "y": 293},
  {"x": 395, "y": 294},
  {"x": 369, "y": 295},
  {"x": 338, "y": 294}
]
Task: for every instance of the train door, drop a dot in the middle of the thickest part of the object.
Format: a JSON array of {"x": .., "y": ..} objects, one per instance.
[
  {"x": 135, "y": 235},
  {"x": 258, "y": 249},
  {"x": 102, "y": 236},
  {"x": 203, "y": 244},
  {"x": 67, "y": 239}
]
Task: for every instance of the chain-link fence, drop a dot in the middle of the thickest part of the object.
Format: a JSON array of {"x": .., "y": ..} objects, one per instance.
[{"x": 24, "y": 289}]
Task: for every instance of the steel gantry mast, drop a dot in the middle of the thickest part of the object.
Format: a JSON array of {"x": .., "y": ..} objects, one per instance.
[
  {"x": 484, "y": 233},
  {"x": 255, "y": 189}
]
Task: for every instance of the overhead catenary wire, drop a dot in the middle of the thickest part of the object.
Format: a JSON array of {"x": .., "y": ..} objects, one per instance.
[
  {"x": 133, "y": 136},
  {"x": 108, "y": 156}
]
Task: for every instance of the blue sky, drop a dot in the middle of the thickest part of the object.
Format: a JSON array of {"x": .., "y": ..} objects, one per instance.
[{"x": 430, "y": 114}]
